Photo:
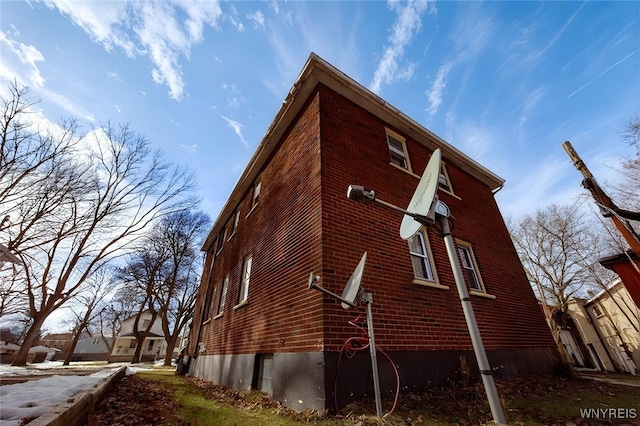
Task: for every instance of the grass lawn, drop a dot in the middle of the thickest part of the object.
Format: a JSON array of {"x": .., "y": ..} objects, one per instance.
[{"x": 527, "y": 401}]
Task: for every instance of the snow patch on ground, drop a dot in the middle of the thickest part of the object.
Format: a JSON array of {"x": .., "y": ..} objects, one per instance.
[{"x": 40, "y": 396}]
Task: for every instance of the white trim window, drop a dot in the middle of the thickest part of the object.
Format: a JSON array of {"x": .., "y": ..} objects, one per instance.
[
  {"x": 398, "y": 150},
  {"x": 212, "y": 303},
  {"x": 257, "y": 187},
  {"x": 469, "y": 267},
  {"x": 223, "y": 295},
  {"x": 221, "y": 238},
  {"x": 443, "y": 181},
  {"x": 234, "y": 223},
  {"x": 421, "y": 257},
  {"x": 246, "y": 275}
]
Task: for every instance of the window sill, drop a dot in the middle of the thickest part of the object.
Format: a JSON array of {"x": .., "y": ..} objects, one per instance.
[
  {"x": 255, "y": 206},
  {"x": 218, "y": 316},
  {"x": 407, "y": 171},
  {"x": 448, "y": 192},
  {"x": 208, "y": 321},
  {"x": 240, "y": 305},
  {"x": 431, "y": 284},
  {"x": 481, "y": 294},
  {"x": 231, "y": 236}
]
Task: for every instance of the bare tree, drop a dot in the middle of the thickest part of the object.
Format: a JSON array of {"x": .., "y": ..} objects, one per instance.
[
  {"x": 555, "y": 246},
  {"x": 38, "y": 177},
  {"x": 87, "y": 307},
  {"x": 182, "y": 232},
  {"x": 143, "y": 274},
  {"x": 111, "y": 313},
  {"x": 13, "y": 295},
  {"x": 93, "y": 195},
  {"x": 627, "y": 188}
]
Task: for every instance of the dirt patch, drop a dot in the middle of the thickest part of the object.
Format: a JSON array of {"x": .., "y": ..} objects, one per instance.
[
  {"x": 539, "y": 400},
  {"x": 137, "y": 401}
]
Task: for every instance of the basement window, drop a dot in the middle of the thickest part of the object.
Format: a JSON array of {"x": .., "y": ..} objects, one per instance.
[{"x": 265, "y": 375}]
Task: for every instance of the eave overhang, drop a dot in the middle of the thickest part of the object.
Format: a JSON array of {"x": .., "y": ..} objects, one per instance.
[{"x": 318, "y": 71}]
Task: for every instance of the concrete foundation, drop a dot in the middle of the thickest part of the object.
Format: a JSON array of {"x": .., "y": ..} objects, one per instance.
[{"x": 301, "y": 381}]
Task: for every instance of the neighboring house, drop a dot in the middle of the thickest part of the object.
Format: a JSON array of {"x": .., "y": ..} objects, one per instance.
[
  {"x": 41, "y": 353},
  {"x": 91, "y": 348},
  {"x": 8, "y": 351},
  {"x": 59, "y": 341},
  {"x": 125, "y": 345},
  {"x": 608, "y": 326},
  {"x": 258, "y": 325},
  {"x": 87, "y": 349},
  {"x": 627, "y": 266}
]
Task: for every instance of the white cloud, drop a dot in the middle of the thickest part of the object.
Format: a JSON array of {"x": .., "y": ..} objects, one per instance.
[
  {"x": 101, "y": 20},
  {"x": 536, "y": 188},
  {"x": 603, "y": 73},
  {"x": 158, "y": 30},
  {"x": 233, "y": 18},
  {"x": 191, "y": 149},
  {"x": 257, "y": 17},
  {"x": 20, "y": 61},
  {"x": 436, "y": 91},
  {"x": 406, "y": 25},
  {"x": 118, "y": 109},
  {"x": 236, "y": 126}
]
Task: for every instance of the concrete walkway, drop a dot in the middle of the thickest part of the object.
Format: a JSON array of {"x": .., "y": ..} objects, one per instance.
[{"x": 632, "y": 381}]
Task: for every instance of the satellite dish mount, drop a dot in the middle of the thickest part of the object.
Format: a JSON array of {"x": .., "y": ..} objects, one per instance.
[
  {"x": 425, "y": 209},
  {"x": 352, "y": 293}
]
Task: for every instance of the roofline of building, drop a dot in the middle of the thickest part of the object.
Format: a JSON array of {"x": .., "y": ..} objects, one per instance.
[
  {"x": 616, "y": 282},
  {"x": 318, "y": 71},
  {"x": 620, "y": 257}
]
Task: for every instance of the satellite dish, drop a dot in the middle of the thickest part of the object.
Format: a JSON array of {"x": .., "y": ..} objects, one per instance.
[
  {"x": 423, "y": 197},
  {"x": 353, "y": 285}
]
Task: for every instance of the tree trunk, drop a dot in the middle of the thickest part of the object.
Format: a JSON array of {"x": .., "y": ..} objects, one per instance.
[
  {"x": 21, "y": 357},
  {"x": 74, "y": 342},
  {"x": 171, "y": 344},
  {"x": 140, "y": 337}
]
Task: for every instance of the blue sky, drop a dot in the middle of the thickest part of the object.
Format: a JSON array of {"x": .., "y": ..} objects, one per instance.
[{"x": 504, "y": 82}]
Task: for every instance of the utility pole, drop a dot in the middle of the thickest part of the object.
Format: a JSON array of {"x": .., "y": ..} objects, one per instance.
[{"x": 620, "y": 217}]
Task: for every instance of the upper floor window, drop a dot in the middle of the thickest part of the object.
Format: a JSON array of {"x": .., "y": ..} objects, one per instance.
[
  {"x": 421, "y": 257},
  {"x": 398, "y": 150},
  {"x": 212, "y": 303},
  {"x": 597, "y": 310},
  {"x": 223, "y": 295},
  {"x": 221, "y": 237},
  {"x": 234, "y": 223},
  {"x": 444, "y": 182},
  {"x": 256, "y": 192},
  {"x": 469, "y": 267},
  {"x": 246, "y": 275}
]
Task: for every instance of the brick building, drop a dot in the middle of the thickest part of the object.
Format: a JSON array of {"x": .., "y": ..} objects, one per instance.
[{"x": 257, "y": 325}]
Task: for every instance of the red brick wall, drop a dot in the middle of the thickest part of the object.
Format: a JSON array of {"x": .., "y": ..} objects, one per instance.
[
  {"x": 408, "y": 316},
  {"x": 304, "y": 223},
  {"x": 284, "y": 237}
]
